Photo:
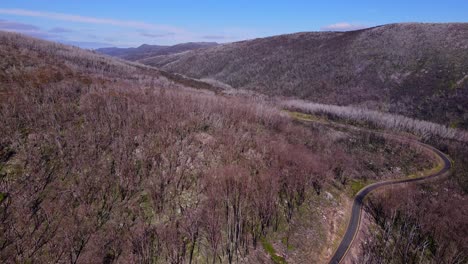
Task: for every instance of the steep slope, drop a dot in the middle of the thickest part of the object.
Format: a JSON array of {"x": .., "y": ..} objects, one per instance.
[
  {"x": 418, "y": 70},
  {"x": 147, "y": 51},
  {"x": 104, "y": 160}
]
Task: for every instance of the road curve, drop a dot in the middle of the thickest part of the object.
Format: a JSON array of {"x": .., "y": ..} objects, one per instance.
[{"x": 353, "y": 225}]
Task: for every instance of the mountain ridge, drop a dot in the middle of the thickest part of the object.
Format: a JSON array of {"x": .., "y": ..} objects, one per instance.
[
  {"x": 147, "y": 50},
  {"x": 414, "y": 69}
]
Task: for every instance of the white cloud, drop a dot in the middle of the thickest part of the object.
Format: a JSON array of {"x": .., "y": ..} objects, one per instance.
[
  {"x": 90, "y": 20},
  {"x": 343, "y": 26}
]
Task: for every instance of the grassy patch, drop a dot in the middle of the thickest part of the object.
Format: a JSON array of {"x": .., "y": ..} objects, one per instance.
[
  {"x": 304, "y": 117},
  {"x": 11, "y": 170},
  {"x": 342, "y": 226},
  {"x": 285, "y": 242},
  {"x": 2, "y": 197},
  {"x": 454, "y": 124},
  {"x": 439, "y": 166},
  {"x": 272, "y": 252},
  {"x": 146, "y": 207},
  {"x": 356, "y": 186}
]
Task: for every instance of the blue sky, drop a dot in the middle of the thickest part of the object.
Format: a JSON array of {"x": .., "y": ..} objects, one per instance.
[{"x": 99, "y": 23}]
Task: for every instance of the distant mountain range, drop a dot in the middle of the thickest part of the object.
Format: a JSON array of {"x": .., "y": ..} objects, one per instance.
[
  {"x": 147, "y": 51},
  {"x": 414, "y": 69}
]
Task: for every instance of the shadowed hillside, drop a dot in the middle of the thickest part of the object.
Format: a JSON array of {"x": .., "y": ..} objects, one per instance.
[{"x": 417, "y": 70}]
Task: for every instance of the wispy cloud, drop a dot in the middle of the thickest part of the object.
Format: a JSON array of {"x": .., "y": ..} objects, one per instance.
[
  {"x": 90, "y": 20},
  {"x": 156, "y": 35},
  {"x": 214, "y": 37},
  {"x": 121, "y": 33},
  {"x": 60, "y": 30},
  {"x": 23, "y": 28},
  {"x": 54, "y": 34},
  {"x": 343, "y": 26},
  {"x": 86, "y": 44},
  {"x": 16, "y": 26}
]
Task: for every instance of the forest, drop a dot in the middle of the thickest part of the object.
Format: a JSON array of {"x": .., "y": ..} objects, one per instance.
[{"x": 108, "y": 161}]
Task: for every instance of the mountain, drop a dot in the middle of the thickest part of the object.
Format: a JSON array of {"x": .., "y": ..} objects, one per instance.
[
  {"x": 414, "y": 69},
  {"x": 146, "y": 51},
  {"x": 108, "y": 160}
]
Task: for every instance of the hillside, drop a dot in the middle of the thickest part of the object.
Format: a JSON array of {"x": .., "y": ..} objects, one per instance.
[
  {"x": 104, "y": 160},
  {"x": 416, "y": 70},
  {"x": 146, "y": 51}
]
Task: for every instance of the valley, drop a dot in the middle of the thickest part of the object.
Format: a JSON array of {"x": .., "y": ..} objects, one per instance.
[
  {"x": 325, "y": 147},
  {"x": 418, "y": 70}
]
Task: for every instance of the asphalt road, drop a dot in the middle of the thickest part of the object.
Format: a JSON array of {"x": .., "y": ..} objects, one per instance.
[{"x": 353, "y": 225}]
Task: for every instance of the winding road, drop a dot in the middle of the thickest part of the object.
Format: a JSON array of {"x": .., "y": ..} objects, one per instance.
[{"x": 353, "y": 226}]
